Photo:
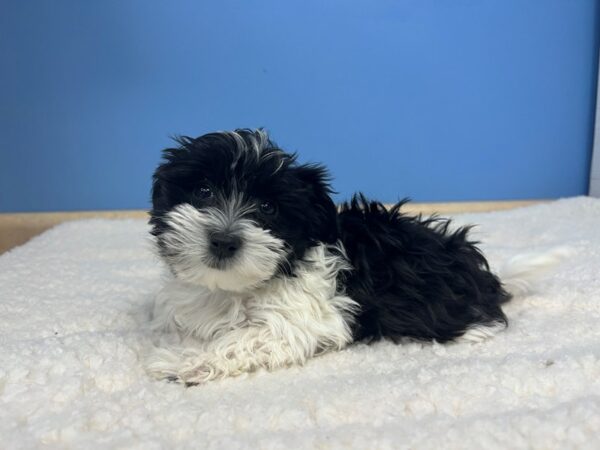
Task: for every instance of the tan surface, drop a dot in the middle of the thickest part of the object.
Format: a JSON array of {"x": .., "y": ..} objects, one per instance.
[{"x": 18, "y": 228}]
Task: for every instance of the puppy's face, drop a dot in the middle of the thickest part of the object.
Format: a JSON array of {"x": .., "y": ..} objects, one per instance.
[{"x": 231, "y": 210}]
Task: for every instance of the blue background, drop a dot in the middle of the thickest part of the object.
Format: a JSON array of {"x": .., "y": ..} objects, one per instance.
[{"x": 436, "y": 100}]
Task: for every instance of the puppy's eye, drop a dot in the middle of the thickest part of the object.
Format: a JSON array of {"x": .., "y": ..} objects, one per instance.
[
  {"x": 267, "y": 208},
  {"x": 204, "y": 192}
]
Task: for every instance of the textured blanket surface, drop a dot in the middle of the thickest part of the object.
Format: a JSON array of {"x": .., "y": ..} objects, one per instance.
[{"x": 74, "y": 302}]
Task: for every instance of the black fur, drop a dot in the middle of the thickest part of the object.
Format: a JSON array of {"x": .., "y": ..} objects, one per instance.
[{"x": 414, "y": 277}]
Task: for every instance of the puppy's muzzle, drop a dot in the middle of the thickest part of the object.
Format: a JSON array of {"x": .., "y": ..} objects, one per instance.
[{"x": 224, "y": 246}]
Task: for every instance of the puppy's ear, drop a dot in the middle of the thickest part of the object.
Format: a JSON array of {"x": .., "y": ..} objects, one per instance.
[
  {"x": 168, "y": 178},
  {"x": 162, "y": 199},
  {"x": 162, "y": 190},
  {"x": 324, "y": 220},
  {"x": 159, "y": 194}
]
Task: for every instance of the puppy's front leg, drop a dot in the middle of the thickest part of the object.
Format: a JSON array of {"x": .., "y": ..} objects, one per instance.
[
  {"x": 239, "y": 351},
  {"x": 246, "y": 350}
]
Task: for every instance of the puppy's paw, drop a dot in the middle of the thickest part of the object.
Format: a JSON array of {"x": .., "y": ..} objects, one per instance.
[
  {"x": 164, "y": 364},
  {"x": 183, "y": 366},
  {"x": 195, "y": 372}
]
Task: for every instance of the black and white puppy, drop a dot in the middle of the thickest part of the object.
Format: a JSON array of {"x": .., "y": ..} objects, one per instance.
[{"x": 268, "y": 273}]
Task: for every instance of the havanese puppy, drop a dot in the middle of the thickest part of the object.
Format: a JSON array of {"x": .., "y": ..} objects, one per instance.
[{"x": 267, "y": 273}]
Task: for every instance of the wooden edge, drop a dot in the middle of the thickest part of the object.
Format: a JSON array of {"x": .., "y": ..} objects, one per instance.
[{"x": 18, "y": 228}]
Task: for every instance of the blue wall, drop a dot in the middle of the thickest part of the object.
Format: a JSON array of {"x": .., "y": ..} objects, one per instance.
[{"x": 437, "y": 100}]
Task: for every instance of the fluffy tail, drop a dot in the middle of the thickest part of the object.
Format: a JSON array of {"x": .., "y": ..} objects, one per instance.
[{"x": 520, "y": 272}]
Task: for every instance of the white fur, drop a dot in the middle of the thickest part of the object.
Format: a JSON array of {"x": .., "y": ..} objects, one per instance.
[
  {"x": 519, "y": 272},
  {"x": 280, "y": 323},
  {"x": 259, "y": 140},
  {"x": 479, "y": 333},
  {"x": 187, "y": 249}
]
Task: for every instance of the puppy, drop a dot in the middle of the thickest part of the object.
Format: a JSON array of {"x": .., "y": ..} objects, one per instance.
[{"x": 267, "y": 272}]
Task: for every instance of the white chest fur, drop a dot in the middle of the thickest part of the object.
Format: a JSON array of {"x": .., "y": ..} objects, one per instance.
[{"x": 285, "y": 321}]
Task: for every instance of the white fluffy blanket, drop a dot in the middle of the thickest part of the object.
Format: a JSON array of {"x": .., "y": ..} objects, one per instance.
[{"x": 74, "y": 300}]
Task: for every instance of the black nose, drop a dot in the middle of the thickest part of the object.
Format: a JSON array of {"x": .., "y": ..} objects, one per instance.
[{"x": 223, "y": 245}]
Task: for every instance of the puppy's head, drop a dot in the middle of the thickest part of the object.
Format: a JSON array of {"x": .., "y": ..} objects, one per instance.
[{"x": 230, "y": 210}]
